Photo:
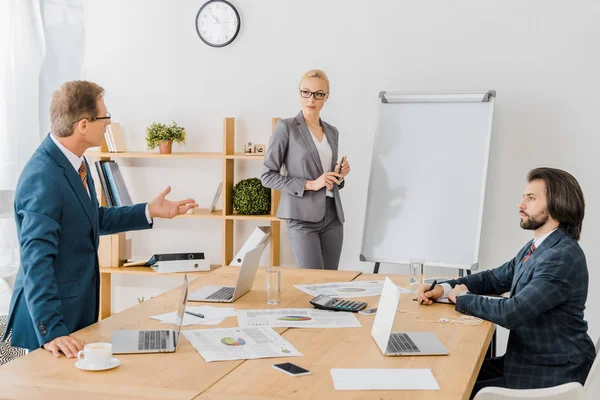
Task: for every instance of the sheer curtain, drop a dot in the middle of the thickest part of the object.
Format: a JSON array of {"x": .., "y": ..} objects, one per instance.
[{"x": 22, "y": 51}]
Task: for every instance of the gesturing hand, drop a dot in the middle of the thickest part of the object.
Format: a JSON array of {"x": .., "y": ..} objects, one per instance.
[
  {"x": 69, "y": 345},
  {"x": 163, "y": 208}
]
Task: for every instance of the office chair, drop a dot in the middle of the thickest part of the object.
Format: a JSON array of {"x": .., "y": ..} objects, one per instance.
[{"x": 567, "y": 391}]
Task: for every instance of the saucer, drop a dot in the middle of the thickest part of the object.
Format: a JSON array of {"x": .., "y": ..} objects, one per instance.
[{"x": 81, "y": 364}]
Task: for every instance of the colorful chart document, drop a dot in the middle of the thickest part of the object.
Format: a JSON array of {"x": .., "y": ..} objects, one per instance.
[
  {"x": 297, "y": 318},
  {"x": 239, "y": 344},
  {"x": 344, "y": 289}
]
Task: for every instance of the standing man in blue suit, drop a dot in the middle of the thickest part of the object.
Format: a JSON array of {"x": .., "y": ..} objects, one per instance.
[
  {"x": 59, "y": 221},
  {"x": 548, "y": 343}
]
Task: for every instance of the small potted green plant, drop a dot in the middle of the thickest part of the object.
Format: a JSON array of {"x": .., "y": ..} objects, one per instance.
[
  {"x": 250, "y": 197},
  {"x": 163, "y": 136}
]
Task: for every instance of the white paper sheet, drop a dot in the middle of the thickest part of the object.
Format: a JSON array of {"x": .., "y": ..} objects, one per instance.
[
  {"x": 345, "y": 290},
  {"x": 239, "y": 344},
  {"x": 383, "y": 379},
  {"x": 297, "y": 318},
  {"x": 212, "y": 316}
]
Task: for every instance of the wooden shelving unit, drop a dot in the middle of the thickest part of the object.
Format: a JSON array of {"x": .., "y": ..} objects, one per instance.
[{"x": 226, "y": 214}]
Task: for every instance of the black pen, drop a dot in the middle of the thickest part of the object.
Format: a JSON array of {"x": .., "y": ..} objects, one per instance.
[
  {"x": 430, "y": 289},
  {"x": 194, "y": 314}
]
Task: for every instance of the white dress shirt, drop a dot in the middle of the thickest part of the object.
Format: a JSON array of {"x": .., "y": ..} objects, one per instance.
[
  {"x": 537, "y": 242},
  {"x": 76, "y": 161},
  {"x": 325, "y": 154}
]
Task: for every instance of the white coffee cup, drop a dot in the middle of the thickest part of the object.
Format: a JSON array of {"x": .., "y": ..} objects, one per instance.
[{"x": 96, "y": 354}]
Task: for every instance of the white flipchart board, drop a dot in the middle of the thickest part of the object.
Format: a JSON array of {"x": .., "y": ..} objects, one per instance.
[{"x": 427, "y": 180}]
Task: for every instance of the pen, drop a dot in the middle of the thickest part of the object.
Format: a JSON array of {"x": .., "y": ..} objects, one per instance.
[
  {"x": 195, "y": 314},
  {"x": 430, "y": 289}
]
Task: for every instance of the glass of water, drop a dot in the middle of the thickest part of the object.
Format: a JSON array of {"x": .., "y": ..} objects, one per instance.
[
  {"x": 273, "y": 285},
  {"x": 416, "y": 275}
]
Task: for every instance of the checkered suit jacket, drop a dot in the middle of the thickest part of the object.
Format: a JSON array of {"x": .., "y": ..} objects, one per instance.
[{"x": 548, "y": 343}]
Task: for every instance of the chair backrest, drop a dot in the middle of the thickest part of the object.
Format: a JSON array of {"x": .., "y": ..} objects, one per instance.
[
  {"x": 591, "y": 388},
  {"x": 567, "y": 391}
]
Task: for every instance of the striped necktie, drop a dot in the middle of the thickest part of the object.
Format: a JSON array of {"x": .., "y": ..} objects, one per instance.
[
  {"x": 531, "y": 250},
  {"x": 83, "y": 174}
]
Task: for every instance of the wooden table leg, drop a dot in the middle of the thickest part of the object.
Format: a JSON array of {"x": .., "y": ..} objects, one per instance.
[{"x": 105, "y": 293}]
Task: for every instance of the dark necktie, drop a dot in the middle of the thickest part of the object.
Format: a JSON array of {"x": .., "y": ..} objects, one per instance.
[{"x": 531, "y": 250}]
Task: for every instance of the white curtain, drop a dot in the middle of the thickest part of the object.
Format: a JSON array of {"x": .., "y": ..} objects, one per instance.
[{"x": 21, "y": 54}]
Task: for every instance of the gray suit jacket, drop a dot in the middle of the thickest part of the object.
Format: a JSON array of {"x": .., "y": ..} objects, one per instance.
[
  {"x": 548, "y": 343},
  {"x": 291, "y": 146}
]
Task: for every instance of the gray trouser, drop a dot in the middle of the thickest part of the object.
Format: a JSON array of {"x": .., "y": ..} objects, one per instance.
[{"x": 317, "y": 245}]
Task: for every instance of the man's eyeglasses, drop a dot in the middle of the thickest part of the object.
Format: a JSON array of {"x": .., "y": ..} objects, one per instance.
[
  {"x": 107, "y": 116},
  {"x": 318, "y": 95}
]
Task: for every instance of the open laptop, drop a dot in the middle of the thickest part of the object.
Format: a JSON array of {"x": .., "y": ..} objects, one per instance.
[
  {"x": 152, "y": 341},
  {"x": 400, "y": 343},
  {"x": 229, "y": 294}
]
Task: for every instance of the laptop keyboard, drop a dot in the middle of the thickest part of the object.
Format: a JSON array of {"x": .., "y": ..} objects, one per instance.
[
  {"x": 153, "y": 340},
  {"x": 225, "y": 293},
  {"x": 401, "y": 343}
]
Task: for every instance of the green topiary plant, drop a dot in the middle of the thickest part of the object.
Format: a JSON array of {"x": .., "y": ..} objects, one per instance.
[
  {"x": 158, "y": 132},
  {"x": 250, "y": 197}
]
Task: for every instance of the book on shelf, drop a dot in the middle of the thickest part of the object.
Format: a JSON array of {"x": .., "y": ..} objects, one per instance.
[
  {"x": 114, "y": 138},
  {"x": 112, "y": 183},
  {"x": 216, "y": 198}
]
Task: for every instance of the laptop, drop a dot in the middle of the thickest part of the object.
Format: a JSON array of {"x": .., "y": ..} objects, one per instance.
[
  {"x": 400, "y": 343},
  {"x": 152, "y": 341},
  {"x": 229, "y": 294}
]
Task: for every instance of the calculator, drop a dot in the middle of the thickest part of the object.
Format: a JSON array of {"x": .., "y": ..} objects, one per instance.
[{"x": 329, "y": 303}]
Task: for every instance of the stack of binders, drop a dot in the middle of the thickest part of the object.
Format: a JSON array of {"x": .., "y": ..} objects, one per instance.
[{"x": 112, "y": 183}]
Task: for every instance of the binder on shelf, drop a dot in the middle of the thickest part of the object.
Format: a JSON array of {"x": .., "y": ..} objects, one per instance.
[
  {"x": 116, "y": 184},
  {"x": 167, "y": 257},
  {"x": 166, "y": 267},
  {"x": 104, "y": 184},
  {"x": 259, "y": 236}
]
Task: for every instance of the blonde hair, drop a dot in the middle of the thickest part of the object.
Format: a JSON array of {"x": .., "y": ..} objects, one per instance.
[
  {"x": 74, "y": 101},
  {"x": 315, "y": 73}
]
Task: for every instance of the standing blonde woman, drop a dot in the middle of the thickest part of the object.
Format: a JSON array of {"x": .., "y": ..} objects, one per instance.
[{"x": 310, "y": 203}]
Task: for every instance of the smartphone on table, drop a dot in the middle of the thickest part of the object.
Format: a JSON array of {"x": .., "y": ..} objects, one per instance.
[{"x": 291, "y": 369}]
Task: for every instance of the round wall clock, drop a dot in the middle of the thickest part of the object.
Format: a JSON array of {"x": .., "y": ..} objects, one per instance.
[{"x": 217, "y": 23}]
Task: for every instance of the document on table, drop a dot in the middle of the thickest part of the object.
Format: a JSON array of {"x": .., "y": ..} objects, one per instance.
[
  {"x": 212, "y": 316},
  {"x": 224, "y": 344},
  {"x": 297, "y": 318},
  {"x": 383, "y": 379},
  {"x": 345, "y": 289}
]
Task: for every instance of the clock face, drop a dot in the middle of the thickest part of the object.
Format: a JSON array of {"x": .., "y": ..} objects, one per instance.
[{"x": 217, "y": 23}]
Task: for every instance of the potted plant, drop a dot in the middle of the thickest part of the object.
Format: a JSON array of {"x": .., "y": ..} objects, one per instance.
[
  {"x": 163, "y": 136},
  {"x": 250, "y": 197}
]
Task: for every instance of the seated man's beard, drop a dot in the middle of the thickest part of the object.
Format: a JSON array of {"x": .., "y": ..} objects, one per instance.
[{"x": 535, "y": 222}]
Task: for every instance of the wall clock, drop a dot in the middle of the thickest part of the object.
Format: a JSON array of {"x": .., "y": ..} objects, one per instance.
[{"x": 217, "y": 23}]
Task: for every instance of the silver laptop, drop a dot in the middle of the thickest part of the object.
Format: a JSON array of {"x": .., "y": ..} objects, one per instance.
[
  {"x": 152, "y": 341},
  {"x": 229, "y": 294},
  {"x": 400, "y": 343}
]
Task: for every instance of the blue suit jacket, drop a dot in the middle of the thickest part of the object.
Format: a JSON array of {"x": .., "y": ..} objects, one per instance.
[
  {"x": 56, "y": 291},
  {"x": 548, "y": 343}
]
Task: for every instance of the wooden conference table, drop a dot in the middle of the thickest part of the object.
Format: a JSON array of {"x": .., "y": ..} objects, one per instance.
[{"x": 185, "y": 375}]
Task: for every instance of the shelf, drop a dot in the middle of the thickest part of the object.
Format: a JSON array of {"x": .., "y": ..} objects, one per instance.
[
  {"x": 150, "y": 271},
  {"x": 242, "y": 156},
  {"x": 267, "y": 217},
  {"x": 147, "y": 154},
  {"x": 202, "y": 213}
]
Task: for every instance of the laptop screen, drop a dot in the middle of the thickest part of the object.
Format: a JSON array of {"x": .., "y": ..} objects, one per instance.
[
  {"x": 181, "y": 307},
  {"x": 386, "y": 313}
]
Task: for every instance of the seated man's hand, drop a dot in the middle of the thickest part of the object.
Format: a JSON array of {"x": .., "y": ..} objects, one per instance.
[
  {"x": 456, "y": 290},
  {"x": 69, "y": 345},
  {"x": 425, "y": 297}
]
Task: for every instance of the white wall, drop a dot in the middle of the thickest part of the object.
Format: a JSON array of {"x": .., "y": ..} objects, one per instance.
[{"x": 538, "y": 55}]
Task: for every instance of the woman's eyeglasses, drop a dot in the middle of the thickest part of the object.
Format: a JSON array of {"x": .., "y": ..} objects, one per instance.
[{"x": 318, "y": 95}]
